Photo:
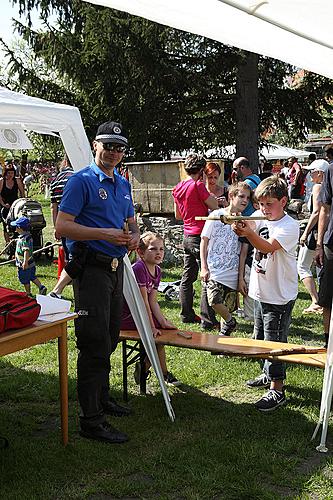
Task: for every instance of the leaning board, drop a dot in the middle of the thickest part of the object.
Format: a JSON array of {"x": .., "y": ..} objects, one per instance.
[{"x": 234, "y": 346}]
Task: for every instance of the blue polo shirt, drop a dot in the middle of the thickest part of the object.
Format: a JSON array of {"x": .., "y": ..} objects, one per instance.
[{"x": 97, "y": 201}]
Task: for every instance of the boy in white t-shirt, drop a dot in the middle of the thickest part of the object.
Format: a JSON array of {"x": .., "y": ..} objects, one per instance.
[
  {"x": 273, "y": 280},
  {"x": 219, "y": 255}
]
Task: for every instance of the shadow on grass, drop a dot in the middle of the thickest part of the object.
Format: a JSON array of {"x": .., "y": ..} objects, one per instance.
[{"x": 216, "y": 448}]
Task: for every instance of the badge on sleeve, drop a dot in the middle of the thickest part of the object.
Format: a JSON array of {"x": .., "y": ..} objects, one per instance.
[{"x": 102, "y": 193}]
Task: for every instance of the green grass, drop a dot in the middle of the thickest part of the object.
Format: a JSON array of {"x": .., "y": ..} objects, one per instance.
[{"x": 218, "y": 448}]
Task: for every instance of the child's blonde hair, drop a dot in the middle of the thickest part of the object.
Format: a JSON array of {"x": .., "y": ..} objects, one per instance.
[
  {"x": 272, "y": 187},
  {"x": 146, "y": 238},
  {"x": 234, "y": 189}
]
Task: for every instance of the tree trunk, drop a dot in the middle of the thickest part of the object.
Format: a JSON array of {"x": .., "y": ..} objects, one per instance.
[{"x": 246, "y": 107}]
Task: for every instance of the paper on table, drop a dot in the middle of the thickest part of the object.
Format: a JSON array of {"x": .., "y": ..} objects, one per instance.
[
  {"x": 55, "y": 317},
  {"x": 53, "y": 309}
]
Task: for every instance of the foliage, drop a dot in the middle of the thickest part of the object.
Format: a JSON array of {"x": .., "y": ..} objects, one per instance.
[{"x": 172, "y": 90}]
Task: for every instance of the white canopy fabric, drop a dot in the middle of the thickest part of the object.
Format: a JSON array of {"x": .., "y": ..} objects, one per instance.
[
  {"x": 276, "y": 152},
  {"x": 138, "y": 310},
  {"x": 298, "y": 32},
  {"x": 19, "y": 111},
  {"x": 14, "y": 138},
  {"x": 269, "y": 152}
]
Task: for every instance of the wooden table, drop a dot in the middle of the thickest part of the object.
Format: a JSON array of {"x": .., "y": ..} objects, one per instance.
[
  {"x": 228, "y": 346},
  {"x": 39, "y": 333}
]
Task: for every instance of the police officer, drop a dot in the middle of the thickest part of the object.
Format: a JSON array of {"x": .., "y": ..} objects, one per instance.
[{"x": 95, "y": 205}]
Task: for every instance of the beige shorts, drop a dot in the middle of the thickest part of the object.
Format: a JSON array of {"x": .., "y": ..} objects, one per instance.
[{"x": 221, "y": 294}]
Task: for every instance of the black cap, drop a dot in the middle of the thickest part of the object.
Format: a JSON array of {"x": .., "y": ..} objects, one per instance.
[{"x": 111, "y": 132}]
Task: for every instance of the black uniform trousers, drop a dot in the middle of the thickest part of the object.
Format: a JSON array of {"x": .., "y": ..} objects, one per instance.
[{"x": 98, "y": 296}]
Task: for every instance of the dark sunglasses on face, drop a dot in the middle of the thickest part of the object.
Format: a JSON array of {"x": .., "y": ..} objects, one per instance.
[{"x": 109, "y": 146}]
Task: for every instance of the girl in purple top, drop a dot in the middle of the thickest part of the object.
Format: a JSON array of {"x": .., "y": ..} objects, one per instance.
[{"x": 148, "y": 275}]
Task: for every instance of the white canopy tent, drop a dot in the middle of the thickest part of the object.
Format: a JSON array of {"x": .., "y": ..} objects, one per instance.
[
  {"x": 277, "y": 152},
  {"x": 298, "y": 32},
  {"x": 269, "y": 152},
  {"x": 22, "y": 112}
]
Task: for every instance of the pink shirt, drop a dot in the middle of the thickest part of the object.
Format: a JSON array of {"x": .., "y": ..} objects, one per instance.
[{"x": 190, "y": 197}]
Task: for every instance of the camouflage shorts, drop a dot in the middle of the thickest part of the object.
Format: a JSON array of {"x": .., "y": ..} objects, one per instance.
[{"x": 221, "y": 294}]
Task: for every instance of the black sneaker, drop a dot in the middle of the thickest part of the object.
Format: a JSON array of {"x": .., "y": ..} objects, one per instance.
[
  {"x": 103, "y": 432},
  {"x": 137, "y": 373},
  {"x": 194, "y": 319},
  {"x": 43, "y": 290},
  {"x": 259, "y": 382},
  {"x": 271, "y": 401},
  {"x": 207, "y": 327},
  {"x": 170, "y": 379},
  {"x": 228, "y": 327},
  {"x": 111, "y": 407}
]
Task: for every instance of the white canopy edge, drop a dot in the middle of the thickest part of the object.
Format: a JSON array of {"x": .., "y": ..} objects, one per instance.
[
  {"x": 298, "y": 32},
  {"x": 41, "y": 116},
  {"x": 138, "y": 310}
]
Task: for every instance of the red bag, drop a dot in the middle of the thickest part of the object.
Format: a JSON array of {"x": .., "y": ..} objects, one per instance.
[{"x": 17, "y": 309}]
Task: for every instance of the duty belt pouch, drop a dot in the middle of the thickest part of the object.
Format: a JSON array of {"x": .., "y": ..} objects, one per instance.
[
  {"x": 17, "y": 309},
  {"x": 77, "y": 262}
]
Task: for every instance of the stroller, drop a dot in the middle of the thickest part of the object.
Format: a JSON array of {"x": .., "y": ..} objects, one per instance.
[{"x": 25, "y": 207}]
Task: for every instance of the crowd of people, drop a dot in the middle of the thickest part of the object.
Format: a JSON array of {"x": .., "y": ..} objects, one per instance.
[
  {"x": 255, "y": 257},
  {"x": 93, "y": 213}
]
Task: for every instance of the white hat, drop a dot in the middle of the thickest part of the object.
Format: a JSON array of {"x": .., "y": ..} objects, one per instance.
[{"x": 317, "y": 166}]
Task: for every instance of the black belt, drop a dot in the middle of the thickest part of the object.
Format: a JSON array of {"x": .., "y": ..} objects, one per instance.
[{"x": 103, "y": 260}]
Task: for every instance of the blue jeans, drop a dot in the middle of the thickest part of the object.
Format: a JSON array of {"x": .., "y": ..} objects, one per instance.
[{"x": 271, "y": 322}]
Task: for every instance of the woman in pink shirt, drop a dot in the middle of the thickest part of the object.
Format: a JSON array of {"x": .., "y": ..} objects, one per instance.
[{"x": 191, "y": 199}]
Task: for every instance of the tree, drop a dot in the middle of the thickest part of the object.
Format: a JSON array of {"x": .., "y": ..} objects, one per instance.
[
  {"x": 172, "y": 90},
  {"x": 246, "y": 109}
]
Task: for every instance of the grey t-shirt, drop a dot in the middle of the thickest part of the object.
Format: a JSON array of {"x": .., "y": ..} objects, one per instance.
[{"x": 325, "y": 196}]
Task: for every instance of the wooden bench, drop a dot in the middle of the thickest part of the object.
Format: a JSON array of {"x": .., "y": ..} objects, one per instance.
[{"x": 229, "y": 346}]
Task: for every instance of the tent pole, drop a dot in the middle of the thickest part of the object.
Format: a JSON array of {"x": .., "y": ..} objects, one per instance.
[{"x": 327, "y": 391}]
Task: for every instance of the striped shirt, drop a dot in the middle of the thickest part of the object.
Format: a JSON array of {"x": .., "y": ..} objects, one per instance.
[{"x": 58, "y": 184}]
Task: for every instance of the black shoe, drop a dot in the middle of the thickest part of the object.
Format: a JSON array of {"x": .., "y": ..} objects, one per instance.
[
  {"x": 170, "y": 379},
  {"x": 271, "y": 401},
  {"x": 194, "y": 319},
  {"x": 228, "y": 327},
  {"x": 207, "y": 327},
  {"x": 259, "y": 382},
  {"x": 111, "y": 407},
  {"x": 103, "y": 432}
]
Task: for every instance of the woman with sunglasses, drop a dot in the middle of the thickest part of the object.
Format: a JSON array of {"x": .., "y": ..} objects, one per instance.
[{"x": 10, "y": 188}]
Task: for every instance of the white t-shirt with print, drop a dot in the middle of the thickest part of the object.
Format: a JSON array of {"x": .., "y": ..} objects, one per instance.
[
  {"x": 223, "y": 251},
  {"x": 274, "y": 278}
]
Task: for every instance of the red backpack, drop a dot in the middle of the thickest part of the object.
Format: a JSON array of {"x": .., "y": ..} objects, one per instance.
[{"x": 17, "y": 309}]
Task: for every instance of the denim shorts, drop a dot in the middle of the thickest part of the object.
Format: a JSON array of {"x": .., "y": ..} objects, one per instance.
[
  {"x": 221, "y": 294},
  {"x": 26, "y": 275},
  {"x": 271, "y": 322}
]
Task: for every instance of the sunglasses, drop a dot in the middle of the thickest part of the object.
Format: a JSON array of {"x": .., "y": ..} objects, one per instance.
[{"x": 109, "y": 146}]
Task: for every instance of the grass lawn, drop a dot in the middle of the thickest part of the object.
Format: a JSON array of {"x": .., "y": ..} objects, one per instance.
[{"x": 219, "y": 447}]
